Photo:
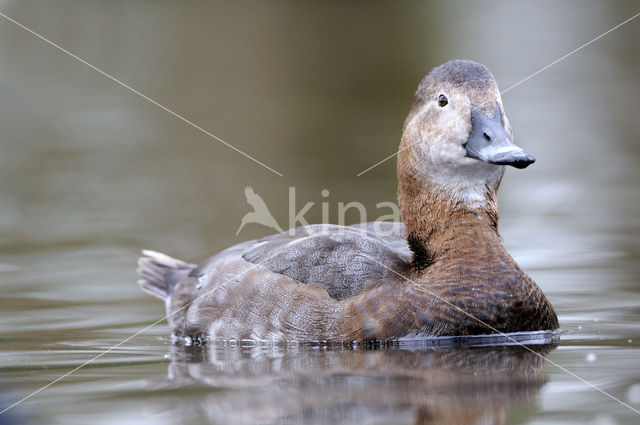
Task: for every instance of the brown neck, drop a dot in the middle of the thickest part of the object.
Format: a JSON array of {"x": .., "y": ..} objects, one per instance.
[{"x": 439, "y": 227}]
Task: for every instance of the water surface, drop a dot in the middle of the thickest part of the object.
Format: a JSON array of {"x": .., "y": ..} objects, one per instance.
[{"x": 90, "y": 174}]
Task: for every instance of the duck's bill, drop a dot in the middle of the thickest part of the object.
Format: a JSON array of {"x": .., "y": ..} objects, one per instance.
[{"x": 489, "y": 142}]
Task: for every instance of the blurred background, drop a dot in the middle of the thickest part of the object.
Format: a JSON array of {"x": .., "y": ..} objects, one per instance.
[{"x": 91, "y": 173}]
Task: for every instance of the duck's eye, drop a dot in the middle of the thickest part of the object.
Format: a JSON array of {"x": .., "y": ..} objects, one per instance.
[{"x": 442, "y": 101}]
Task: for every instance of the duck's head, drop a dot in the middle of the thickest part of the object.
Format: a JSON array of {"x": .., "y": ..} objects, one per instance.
[{"x": 457, "y": 138}]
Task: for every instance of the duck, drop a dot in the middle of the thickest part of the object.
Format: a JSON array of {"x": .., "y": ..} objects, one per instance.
[{"x": 441, "y": 271}]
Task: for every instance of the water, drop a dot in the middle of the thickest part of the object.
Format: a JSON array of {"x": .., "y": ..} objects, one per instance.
[{"x": 90, "y": 174}]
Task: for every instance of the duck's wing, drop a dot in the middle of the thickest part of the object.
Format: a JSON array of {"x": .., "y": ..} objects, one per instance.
[{"x": 340, "y": 259}]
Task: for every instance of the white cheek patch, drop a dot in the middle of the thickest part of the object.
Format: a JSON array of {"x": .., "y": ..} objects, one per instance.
[
  {"x": 470, "y": 188},
  {"x": 456, "y": 128},
  {"x": 442, "y": 159}
]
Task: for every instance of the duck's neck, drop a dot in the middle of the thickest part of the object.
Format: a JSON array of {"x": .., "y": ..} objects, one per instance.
[{"x": 438, "y": 226}]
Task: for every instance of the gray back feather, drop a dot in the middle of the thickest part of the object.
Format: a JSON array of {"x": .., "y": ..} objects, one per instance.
[{"x": 335, "y": 258}]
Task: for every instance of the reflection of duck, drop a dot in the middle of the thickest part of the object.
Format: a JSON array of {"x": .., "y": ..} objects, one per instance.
[
  {"x": 296, "y": 384},
  {"x": 450, "y": 276},
  {"x": 260, "y": 213}
]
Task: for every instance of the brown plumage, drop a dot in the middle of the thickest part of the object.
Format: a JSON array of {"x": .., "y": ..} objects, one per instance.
[{"x": 450, "y": 276}]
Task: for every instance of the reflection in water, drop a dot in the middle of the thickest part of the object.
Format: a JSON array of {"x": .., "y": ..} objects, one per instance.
[
  {"x": 90, "y": 174},
  {"x": 319, "y": 384}
]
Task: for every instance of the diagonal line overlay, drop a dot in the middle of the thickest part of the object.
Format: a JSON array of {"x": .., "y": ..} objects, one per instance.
[
  {"x": 91, "y": 360},
  {"x": 422, "y": 288},
  {"x": 131, "y": 89},
  {"x": 523, "y": 80}
]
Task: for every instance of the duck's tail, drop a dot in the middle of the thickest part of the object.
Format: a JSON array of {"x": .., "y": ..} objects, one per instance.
[{"x": 160, "y": 273}]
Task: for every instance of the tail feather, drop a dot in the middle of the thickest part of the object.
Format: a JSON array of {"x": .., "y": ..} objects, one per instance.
[{"x": 160, "y": 273}]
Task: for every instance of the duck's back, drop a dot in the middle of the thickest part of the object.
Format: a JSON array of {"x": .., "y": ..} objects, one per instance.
[{"x": 339, "y": 259}]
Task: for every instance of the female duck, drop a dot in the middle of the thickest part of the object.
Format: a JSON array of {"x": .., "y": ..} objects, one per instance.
[{"x": 450, "y": 276}]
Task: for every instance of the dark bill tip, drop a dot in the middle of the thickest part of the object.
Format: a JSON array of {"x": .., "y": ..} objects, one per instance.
[{"x": 519, "y": 160}]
